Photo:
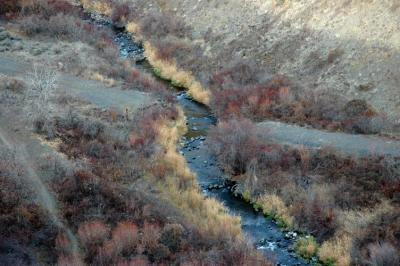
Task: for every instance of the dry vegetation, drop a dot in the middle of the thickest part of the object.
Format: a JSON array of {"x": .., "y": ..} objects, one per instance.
[
  {"x": 236, "y": 87},
  {"x": 126, "y": 193},
  {"x": 26, "y": 231},
  {"x": 320, "y": 191},
  {"x": 238, "y": 93},
  {"x": 134, "y": 201},
  {"x": 168, "y": 42},
  {"x": 49, "y": 21},
  {"x": 148, "y": 211}
]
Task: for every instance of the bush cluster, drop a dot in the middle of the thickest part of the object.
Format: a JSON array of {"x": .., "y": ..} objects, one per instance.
[
  {"x": 118, "y": 216},
  {"x": 238, "y": 93},
  {"x": 315, "y": 185},
  {"x": 25, "y": 229}
]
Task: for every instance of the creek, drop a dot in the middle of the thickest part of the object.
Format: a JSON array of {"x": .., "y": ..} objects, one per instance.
[{"x": 264, "y": 233}]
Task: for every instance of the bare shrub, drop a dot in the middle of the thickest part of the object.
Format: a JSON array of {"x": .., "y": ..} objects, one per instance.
[
  {"x": 46, "y": 8},
  {"x": 240, "y": 91},
  {"x": 171, "y": 236},
  {"x": 125, "y": 237},
  {"x": 60, "y": 26},
  {"x": 92, "y": 129},
  {"x": 234, "y": 143},
  {"x": 382, "y": 254},
  {"x": 137, "y": 261},
  {"x": 378, "y": 243},
  {"x": 242, "y": 253},
  {"x": 120, "y": 14},
  {"x": 39, "y": 96},
  {"x": 93, "y": 233},
  {"x": 9, "y": 6},
  {"x": 316, "y": 213},
  {"x": 161, "y": 25}
]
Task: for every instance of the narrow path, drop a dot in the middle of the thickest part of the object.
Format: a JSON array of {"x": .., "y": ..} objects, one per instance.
[
  {"x": 93, "y": 91},
  {"x": 44, "y": 196},
  {"x": 349, "y": 144}
]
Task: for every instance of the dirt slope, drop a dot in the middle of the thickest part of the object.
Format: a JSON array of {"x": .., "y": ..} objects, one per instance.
[{"x": 349, "y": 47}]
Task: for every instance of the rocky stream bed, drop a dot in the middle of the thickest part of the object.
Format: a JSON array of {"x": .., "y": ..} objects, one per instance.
[{"x": 266, "y": 235}]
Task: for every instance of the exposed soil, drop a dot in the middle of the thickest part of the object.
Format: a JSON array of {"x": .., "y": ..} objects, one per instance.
[{"x": 350, "y": 48}]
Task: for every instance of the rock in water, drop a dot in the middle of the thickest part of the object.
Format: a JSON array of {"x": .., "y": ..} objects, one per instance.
[{"x": 4, "y": 35}]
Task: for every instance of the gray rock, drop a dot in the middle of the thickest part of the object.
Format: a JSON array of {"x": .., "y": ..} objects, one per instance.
[
  {"x": 6, "y": 43},
  {"x": 16, "y": 38},
  {"x": 36, "y": 51},
  {"x": 4, "y": 35},
  {"x": 17, "y": 46}
]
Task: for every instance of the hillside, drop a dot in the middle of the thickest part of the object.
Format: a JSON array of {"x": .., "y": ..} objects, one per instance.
[
  {"x": 209, "y": 132},
  {"x": 350, "y": 48}
]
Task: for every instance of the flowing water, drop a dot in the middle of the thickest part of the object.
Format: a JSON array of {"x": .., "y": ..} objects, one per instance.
[{"x": 264, "y": 233}]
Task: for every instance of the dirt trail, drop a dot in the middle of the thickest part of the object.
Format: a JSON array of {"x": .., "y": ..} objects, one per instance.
[
  {"x": 31, "y": 176},
  {"x": 93, "y": 91},
  {"x": 354, "y": 145}
]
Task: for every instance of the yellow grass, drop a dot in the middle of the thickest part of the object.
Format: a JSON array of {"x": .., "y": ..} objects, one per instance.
[
  {"x": 273, "y": 205},
  {"x": 209, "y": 214},
  {"x": 97, "y": 6},
  {"x": 169, "y": 70},
  {"x": 307, "y": 247},
  {"x": 132, "y": 27},
  {"x": 336, "y": 250},
  {"x": 99, "y": 77}
]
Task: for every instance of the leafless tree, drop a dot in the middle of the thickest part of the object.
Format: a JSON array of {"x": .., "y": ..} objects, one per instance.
[{"x": 41, "y": 90}]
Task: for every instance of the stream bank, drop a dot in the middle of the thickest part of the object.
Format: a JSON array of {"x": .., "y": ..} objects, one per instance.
[{"x": 264, "y": 233}]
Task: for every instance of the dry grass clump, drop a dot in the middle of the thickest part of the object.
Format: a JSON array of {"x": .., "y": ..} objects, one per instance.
[
  {"x": 273, "y": 206},
  {"x": 307, "y": 247},
  {"x": 336, "y": 251},
  {"x": 164, "y": 37},
  {"x": 169, "y": 70},
  {"x": 102, "y": 7}
]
